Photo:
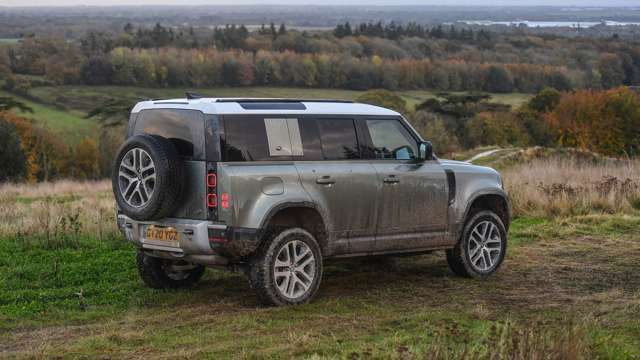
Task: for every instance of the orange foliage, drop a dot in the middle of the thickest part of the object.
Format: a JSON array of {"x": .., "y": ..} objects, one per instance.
[{"x": 607, "y": 122}]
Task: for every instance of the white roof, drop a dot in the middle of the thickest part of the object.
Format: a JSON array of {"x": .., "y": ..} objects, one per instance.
[{"x": 228, "y": 106}]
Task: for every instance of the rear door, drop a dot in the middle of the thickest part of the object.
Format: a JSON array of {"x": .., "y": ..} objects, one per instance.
[
  {"x": 412, "y": 205},
  {"x": 337, "y": 178},
  {"x": 185, "y": 129}
]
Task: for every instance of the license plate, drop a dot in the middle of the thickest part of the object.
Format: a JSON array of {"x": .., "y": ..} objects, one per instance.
[{"x": 163, "y": 235}]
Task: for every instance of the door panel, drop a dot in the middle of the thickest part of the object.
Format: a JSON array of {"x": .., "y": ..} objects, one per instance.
[
  {"x": 346, "y": 190},
  {"x": 342, "y": 183},
  {"x": 412, "y": 205},
  {"x": 413, "y": 199}
]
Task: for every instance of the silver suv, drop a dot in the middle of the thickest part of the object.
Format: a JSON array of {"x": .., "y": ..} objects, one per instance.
[{"x": 274, "y": 187}]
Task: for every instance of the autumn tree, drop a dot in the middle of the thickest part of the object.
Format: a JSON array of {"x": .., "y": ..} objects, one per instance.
[
  {"x": 607, "y": 122},
  {"x": 499, "y": 128},
  {"x": 87, "y": 162}
]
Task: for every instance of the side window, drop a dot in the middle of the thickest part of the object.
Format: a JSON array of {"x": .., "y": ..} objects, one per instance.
[
  {"x": 185, "y": 128},
  {"x": 261, "y": 138},
  {"x": 391, "y": 140},
  {"x": 338, "y": 139},
  {"x": 245, "y": 139}
]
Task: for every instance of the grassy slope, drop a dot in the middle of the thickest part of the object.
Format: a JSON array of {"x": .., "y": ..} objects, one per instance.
[
  {"x": 86, "y": 97},
  {"x": 69, "y": 123},
  {"x": 573, "y": 278}
]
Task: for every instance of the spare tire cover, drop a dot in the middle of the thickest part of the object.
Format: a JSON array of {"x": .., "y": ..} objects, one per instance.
[{"x": 148, "y": 177}]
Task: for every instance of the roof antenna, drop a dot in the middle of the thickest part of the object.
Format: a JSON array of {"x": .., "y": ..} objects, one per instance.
[{"x": 192, "y": 95}]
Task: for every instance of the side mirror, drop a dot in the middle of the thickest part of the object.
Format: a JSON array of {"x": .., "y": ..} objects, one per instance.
[{"x": 426, "y": 151}]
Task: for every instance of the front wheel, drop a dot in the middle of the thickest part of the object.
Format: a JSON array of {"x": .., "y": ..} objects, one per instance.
[
  {"x": 481, "y": 248},
  {"x": 160, "y": 273},
  {"x": 287, "y": 269}
]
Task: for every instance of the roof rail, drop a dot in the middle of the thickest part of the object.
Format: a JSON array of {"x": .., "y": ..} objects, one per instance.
[{"x": 277, "y": 100}]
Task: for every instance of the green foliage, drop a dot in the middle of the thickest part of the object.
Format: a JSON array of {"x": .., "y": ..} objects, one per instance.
[
  {"x": 499, "y": 80},
  {"x": 496, "y": 129},
  {"x": 384, "y": 98},
  {"x": 12, "y": 157},
  {"x": 444, "y": 142},
  {"x": 112, "y": 112},
  {"x": 546, "y": 100}
]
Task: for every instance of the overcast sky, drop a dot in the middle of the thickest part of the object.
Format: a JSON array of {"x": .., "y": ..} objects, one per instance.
[{"x": 325, "y": 2}]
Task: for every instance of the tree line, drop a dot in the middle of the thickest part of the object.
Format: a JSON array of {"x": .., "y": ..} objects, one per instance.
[{"x": 368, "y": 55}]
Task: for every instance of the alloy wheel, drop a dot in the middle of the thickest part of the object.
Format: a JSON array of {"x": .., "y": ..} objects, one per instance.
[
  {"x": 294, "y": 269},
  {"x": 484, "y": 246},
  {"x": 136, "y": 177}
]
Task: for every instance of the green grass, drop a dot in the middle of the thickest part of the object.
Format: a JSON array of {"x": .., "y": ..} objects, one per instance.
[
  {"x": 71, "y": 124},
  {"x": 568, "y": 283},
  {"x": 9, "y": 40}
]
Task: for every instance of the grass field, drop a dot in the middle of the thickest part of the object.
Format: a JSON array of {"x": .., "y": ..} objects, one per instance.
[
  {"x": 569, "y": 289},
  {"x": 69, "y": 123}
]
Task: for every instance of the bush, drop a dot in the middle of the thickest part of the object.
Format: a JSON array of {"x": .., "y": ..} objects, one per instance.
[
  {"x": 499, "y": 128},
  {"x": 384, "y": 98}
]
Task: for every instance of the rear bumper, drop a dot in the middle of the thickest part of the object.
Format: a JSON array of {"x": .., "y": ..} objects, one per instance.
[{"x": 198, "y": 240}]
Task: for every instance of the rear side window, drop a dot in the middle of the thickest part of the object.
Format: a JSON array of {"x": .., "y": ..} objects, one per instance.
[
  {"x": 245, "y": 139},
  {"x": 338, "y": 139},
  {"x": 185, "y": 129}
]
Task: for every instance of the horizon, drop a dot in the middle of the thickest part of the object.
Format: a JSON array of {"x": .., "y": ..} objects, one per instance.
[{"x": 330, "y": 3}]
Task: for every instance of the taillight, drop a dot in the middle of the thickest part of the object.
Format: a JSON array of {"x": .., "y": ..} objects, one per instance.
[
  {"x": 212, "y": 180},
  {"x": 212, "y": 193},
  {"x": 212, "y": 200},
  {"x": 224, "y": 200}
]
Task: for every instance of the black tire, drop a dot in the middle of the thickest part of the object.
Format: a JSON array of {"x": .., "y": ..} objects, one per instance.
[
  {"x": 169, "y": 178},
  {"x": 156, "y": 274},
  {"x": 262, "y": 276},
  {"x": 459, "y": 259}
]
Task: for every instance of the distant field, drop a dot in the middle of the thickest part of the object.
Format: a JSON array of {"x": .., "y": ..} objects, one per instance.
[
  {"x": 86, "y": 97},
  {"x": 70, "y": 124}
]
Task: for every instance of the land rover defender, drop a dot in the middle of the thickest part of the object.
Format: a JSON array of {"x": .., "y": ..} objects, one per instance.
[{"x": 274, "y": 187}]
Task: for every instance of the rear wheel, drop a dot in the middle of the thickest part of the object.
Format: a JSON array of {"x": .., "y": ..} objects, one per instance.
[
  {"x": 287, "y": 270},
  {"x": 482, "y": 247},
  {"x": 160, "y": 273}
]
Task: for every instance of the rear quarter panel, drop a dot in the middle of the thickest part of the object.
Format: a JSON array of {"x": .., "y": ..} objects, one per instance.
[{"x": 255, "y": 189}]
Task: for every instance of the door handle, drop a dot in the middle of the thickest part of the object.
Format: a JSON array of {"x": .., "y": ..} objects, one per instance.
[
  {"x": 325, "y": 180},
  {"x": 391, "y": 179}
]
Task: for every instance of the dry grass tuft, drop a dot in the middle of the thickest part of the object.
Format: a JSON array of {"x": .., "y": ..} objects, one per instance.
[
  {"x": 57, "y": 214},
  {"x": 563, "y": 187}
]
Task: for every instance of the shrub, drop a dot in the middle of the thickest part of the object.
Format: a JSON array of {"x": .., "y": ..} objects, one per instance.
[{"x": 384, "y": 98}]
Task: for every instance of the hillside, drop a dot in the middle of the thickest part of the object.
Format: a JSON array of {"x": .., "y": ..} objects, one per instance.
[{"x": 84, "y": 98}]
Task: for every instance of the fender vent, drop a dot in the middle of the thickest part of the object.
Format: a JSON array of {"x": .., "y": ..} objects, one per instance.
[{"x": 451, "y": 184}]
